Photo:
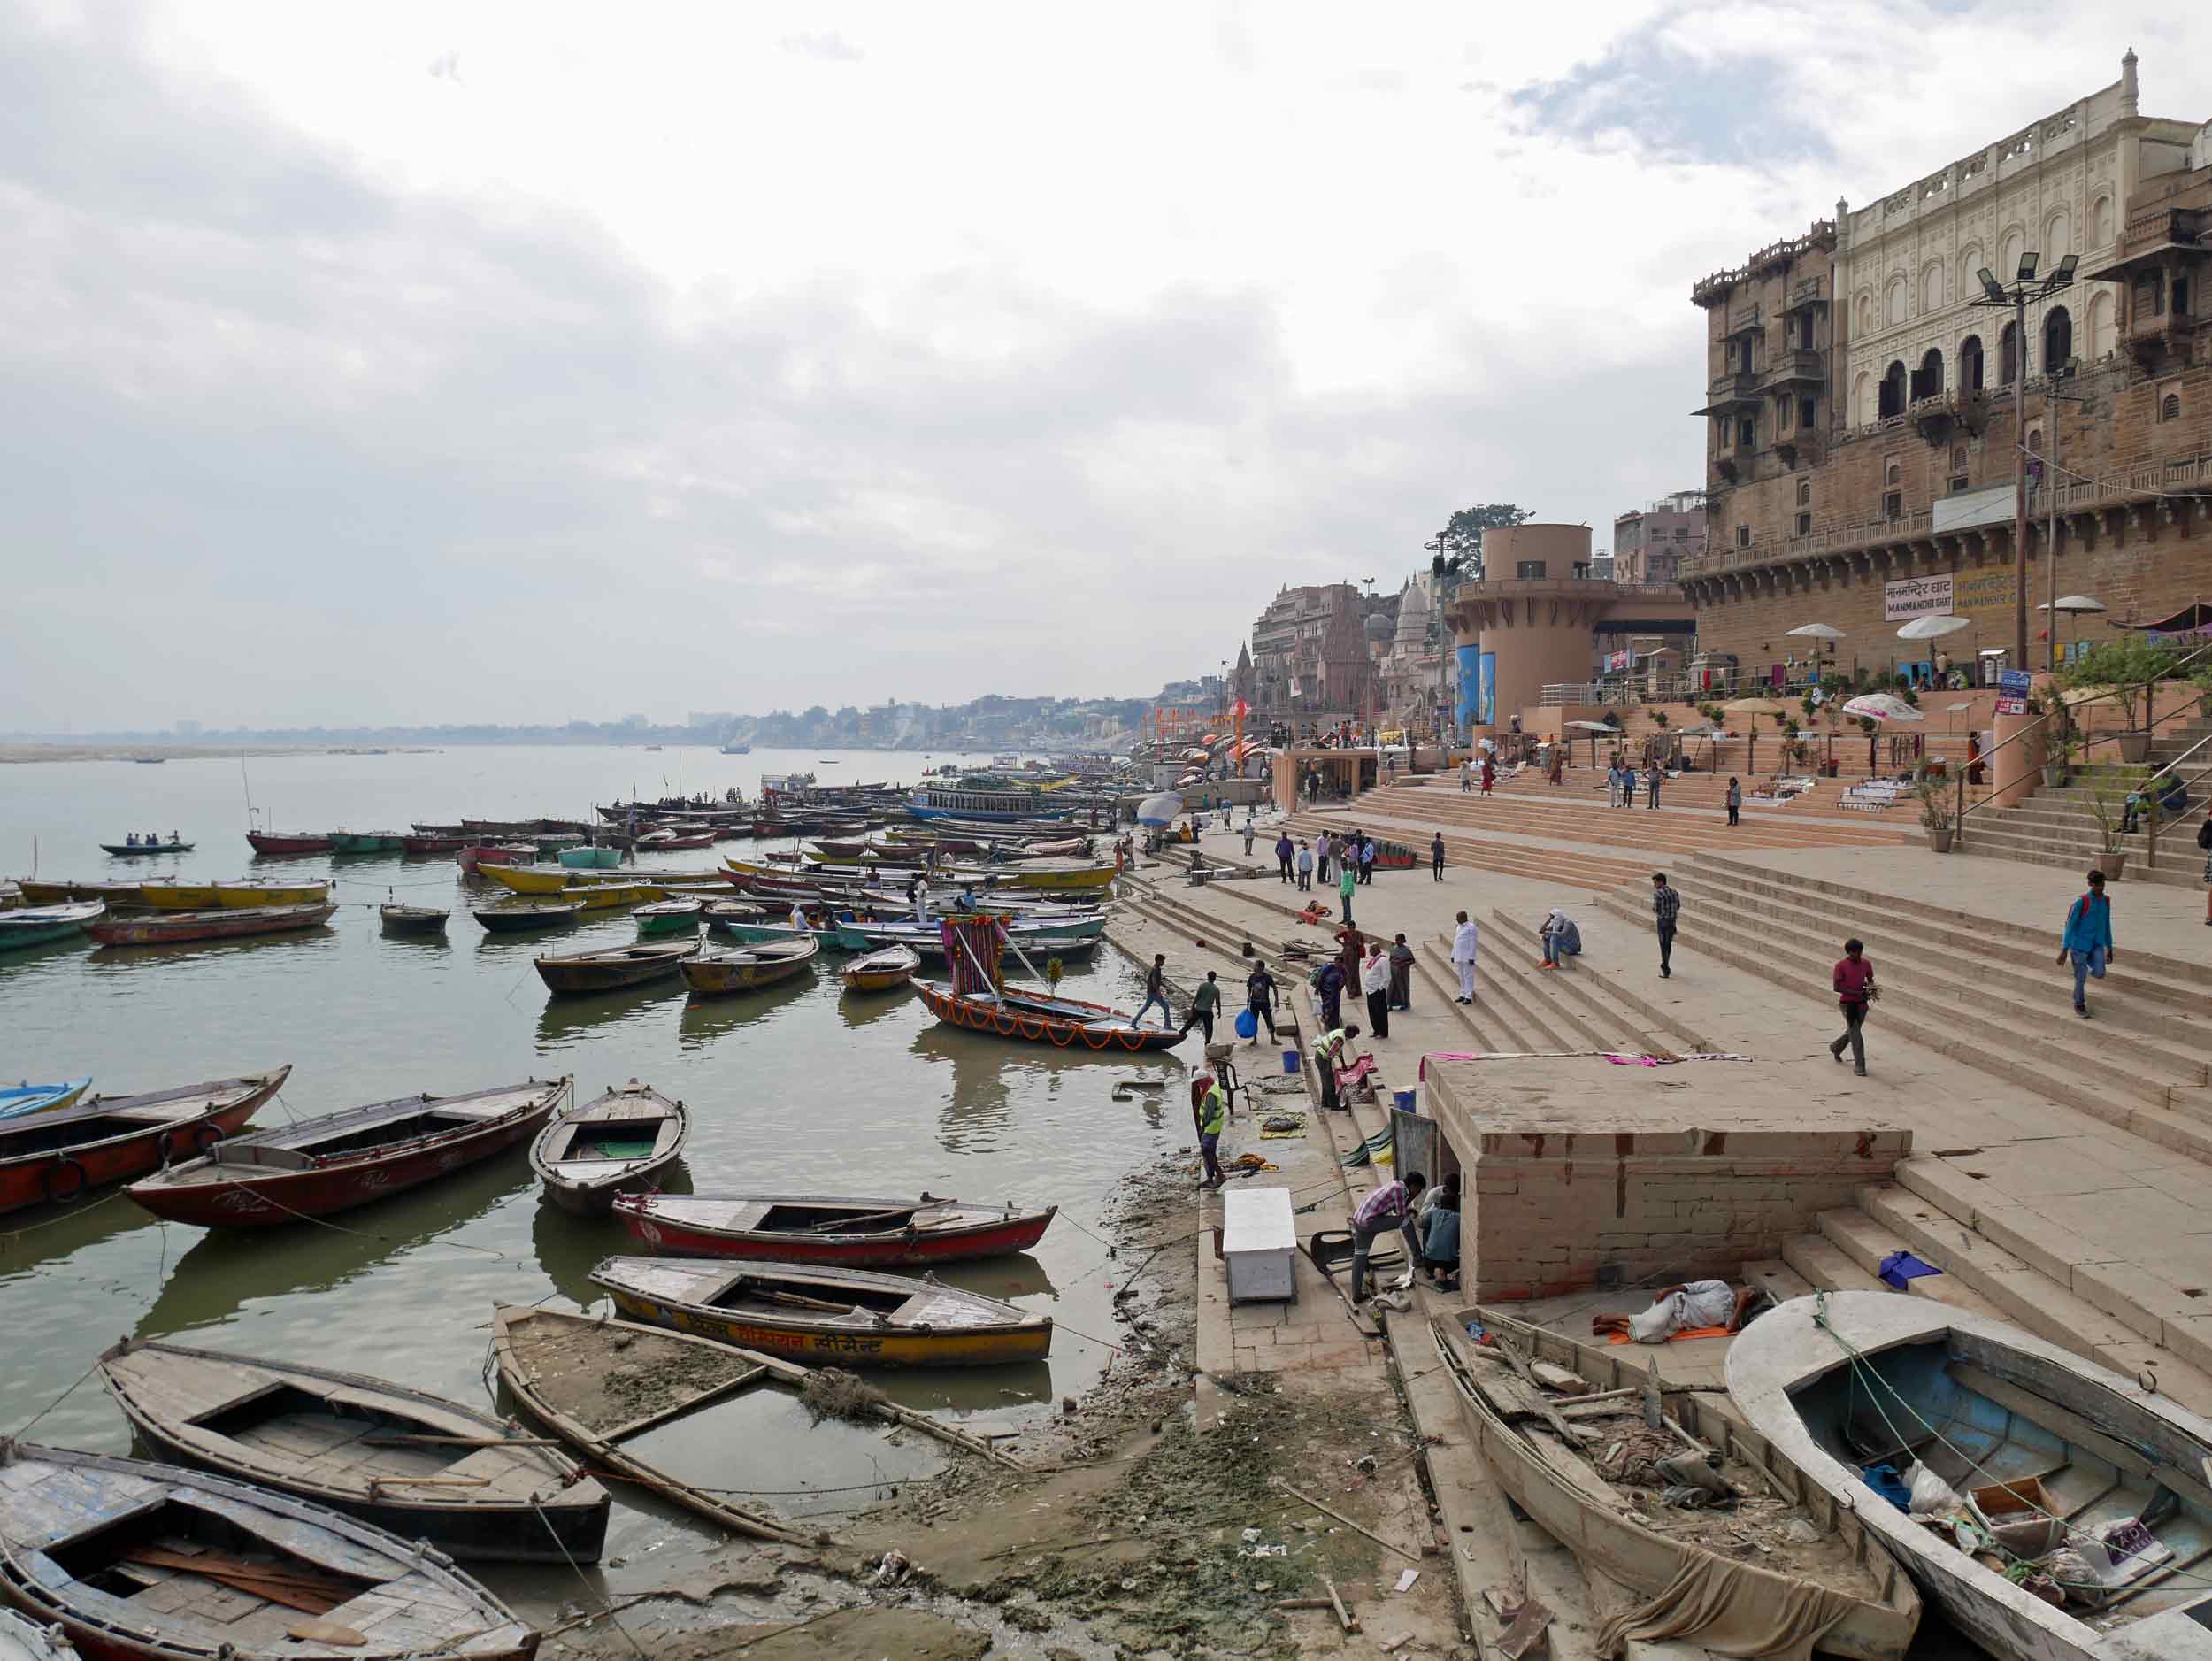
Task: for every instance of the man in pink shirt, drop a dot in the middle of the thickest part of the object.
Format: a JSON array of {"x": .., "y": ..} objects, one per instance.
[
  {"x": 1854, "y": 990},
  {"x": 1386, "y": 1208}
]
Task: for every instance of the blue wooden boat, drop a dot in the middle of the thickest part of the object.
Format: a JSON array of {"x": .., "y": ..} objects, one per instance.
[
  {"x": 367, "y": 842},
  {"x": 591, "y": 859},
  {"x": 18, "y": 1099},
  {"x": 35, "y": 925},
  {"x": 132, "y": 850}
]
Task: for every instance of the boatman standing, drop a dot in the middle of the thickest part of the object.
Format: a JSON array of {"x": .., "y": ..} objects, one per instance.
[
  {"x": 1212, "y": 1110},
  {"x": 1465, "y": 941},
  {"x": 1328, "y": 1050}
]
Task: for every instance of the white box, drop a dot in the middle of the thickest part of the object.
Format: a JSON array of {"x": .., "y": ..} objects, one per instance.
[{"x": 1259, "y": 1238}]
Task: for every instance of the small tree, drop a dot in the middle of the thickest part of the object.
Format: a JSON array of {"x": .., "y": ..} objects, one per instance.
[
  {"x": 2128, "y": 666},
  {"x": 1935, "y": 807}
]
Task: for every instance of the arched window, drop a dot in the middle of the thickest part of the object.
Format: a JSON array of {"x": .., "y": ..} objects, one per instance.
[
  {"x": 2009, "y": 355},
  {"x": 1970, "y": 364},
  {"x": 1932, "y": 286},
  {"x": 1927, "y": 381},
  {"x": 2100, "y": 323},
  {"x": 1893, "y": 474},
  {"x": 2101, "y": 222},
  {"x": 2058, "y": 339},
  {"x": 1862, "y": 395},
  {"x": 1892, "y": 391},
  {"x": 1866, "y": 314},
  {"x": 2169, "y": 407},
  {"x": 1893, "y": 300}
]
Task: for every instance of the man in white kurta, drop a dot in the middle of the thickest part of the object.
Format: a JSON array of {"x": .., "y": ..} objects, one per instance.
[{"x": 1463, "y": 952}]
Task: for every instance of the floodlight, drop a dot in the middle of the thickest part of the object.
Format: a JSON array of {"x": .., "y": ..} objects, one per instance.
[
  {"x": 2027, "y": 265},
  {"x": 1990, "y": 285},
  {"x": 2065, "y": 272}
]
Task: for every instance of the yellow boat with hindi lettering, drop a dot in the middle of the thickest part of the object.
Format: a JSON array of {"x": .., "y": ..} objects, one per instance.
[
  {"x": 813, "y": 1312},
  {"x": 231, "y": 897},
  {"x": 180, "y": 896},
  {"x": 601, "y": 896}
]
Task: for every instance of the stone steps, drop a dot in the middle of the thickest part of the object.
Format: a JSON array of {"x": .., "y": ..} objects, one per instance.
[
  {"x": 2003, "y": 976},
  {"x": 1588, "y": 872},
  {"x": 1980, "y": 844},
  {"x": 1677, "y": 826},
  {"x": 2101, "y": 1088},
  {"x": 1869, "y": 1243}
]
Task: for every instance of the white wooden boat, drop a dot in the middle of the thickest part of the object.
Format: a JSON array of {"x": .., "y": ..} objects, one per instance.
[
  {"x": 1591, "y": 1489},
  {"x": 2037, "y": 1440},
  {"x": 623, "y": 1141}
]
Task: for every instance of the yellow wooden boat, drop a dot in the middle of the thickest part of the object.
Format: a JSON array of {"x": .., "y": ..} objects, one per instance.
[
  {"x": 1056, "y": 876},
  {"x": 601, "y": 896},
  {"x": 231, "y": 897},
  {"x": 549, "y": 880}
]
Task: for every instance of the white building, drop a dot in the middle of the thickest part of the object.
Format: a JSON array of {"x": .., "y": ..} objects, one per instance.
[{"x": 1905, "y": 266}]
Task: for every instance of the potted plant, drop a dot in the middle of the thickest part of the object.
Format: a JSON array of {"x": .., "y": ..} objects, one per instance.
[
  {"x": 1936, "y": 817},
  {"x": 2104, "y": 808}
]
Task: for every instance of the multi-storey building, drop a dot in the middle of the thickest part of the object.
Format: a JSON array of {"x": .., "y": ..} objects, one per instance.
[
  {"x": 1309, "y": 654},
  {"x": 1649, "y": 543},
  {"x": 1863, "y": 447}
]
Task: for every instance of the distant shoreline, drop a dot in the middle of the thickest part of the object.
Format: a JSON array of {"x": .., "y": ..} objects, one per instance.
[{"x": 23, "y": 752}]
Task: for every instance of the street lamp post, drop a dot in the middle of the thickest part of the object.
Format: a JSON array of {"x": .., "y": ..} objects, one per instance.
[
  {"x": 2052, "y": 486},
  {"x": 1997, "y": 295}
]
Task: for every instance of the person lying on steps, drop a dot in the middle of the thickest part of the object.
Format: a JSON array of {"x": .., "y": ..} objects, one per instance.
[{"x": 1686, "y": 1308}]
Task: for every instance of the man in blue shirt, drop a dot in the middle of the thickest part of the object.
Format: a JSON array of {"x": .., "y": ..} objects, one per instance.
[{"x": 2088, "y": 940}]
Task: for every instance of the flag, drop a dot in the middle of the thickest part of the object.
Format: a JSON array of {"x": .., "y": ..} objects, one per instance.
[{"x": 1240, "y": 709}]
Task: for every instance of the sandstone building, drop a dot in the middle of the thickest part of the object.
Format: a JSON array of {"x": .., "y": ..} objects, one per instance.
[{"x": 1862, "y": 446}]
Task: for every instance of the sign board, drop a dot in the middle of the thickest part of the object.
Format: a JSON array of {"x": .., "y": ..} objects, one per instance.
[
  {"x": 1991, "y": 504},
  {"x": 1916, "y": 597},
  {"x": 1487, "y": 689},
  {"x": 1619, "y": 660},
  {"x": 1990, "y": 589},
  {"x": 2012, "y": 692}
]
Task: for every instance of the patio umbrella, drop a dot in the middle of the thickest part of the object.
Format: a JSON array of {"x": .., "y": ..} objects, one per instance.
[
  {"x": 1816, "y": 631},
  {"x": 1935, "y": 626},
  {"x": 1881, "y": 706},
  {"x": 2076, "y": 606},
  {"x": 1159, "y": 811},
  {"x": 1753, "y": 706},
  {"x": 1594, "y": 728}
]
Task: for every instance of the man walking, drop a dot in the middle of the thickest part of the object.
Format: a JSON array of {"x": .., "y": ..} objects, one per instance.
[
  {"x": 1366, "y": 858},
  {"x": 1251, "y": 831},
  {"x": 1735, "y": 800},
  {"x": 1348, "y": 879},
  {"x": 1259, "y": 1000},
  {"x": 1436, "y": 856},
  {"x": 1154, "y": 992},
  {"x": 1651, "y": 785},
  {"x": 1387, "y": 1207},
  {"x": 1211, "y": 1109},
  {"x": 1305, "y": 867},
  {"x": 1401, "y": 975},
  {"x": 2088, "y": 940},
  {"x": 1374, "y": 979},
  {"x": 1465, "y": 942},
  {"x": 1466, "y": 775},
  {"x": 1854, "y": 990},
  {"x": 1666, "y": 906},
  {"x": 1285, "y": 851},
  {"x": 1322, "y": 844},
  {"x": 1203, "y": 1004}
]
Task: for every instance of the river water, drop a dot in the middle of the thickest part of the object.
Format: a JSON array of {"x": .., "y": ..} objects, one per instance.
[{"x": 798, "y": 1088}]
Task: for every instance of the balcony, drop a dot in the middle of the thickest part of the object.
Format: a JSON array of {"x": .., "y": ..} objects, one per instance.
[
  {"x": 1801, "y": 366},
  {"x": 1806, "y": 292},
  {"x": 1737, "y": 390},
  {"x": 2151, "y": 338}
]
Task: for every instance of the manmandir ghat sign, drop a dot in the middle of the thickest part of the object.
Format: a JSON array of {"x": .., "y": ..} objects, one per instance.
[{"x": 1916, "y": 597}]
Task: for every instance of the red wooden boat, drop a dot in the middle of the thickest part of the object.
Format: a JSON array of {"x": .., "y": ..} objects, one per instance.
[
  {"x": 279, "y": 843},
  {"x": 167, "y": 927},
  {"x": 653, "y": 842},
  {"x": 57, "y": 1156},
  {"x": 472, "y": 854},
  {"x": 1063, "y": 1023},
  {"x": 338, "y": 1161},
  {"x": 856, "y": 1234},
  {"x": 431, "y": 843}
]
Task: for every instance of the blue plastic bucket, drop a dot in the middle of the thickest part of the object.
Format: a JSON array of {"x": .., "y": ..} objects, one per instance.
[
  {"x": 1404, "y": 1100},
  {"x": 1290, "y": 1061}
]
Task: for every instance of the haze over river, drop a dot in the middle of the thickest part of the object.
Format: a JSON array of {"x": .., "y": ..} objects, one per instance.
[{"x": 800, "y": 1088}]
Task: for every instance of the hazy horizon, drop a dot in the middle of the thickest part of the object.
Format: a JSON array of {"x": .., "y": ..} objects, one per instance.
[{"x": 516, "y": 364}]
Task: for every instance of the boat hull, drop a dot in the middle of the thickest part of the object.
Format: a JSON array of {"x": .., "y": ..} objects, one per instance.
[
  {"x": 589, "y": 1187},
  {"x": 142, "y": 850},
  {"x": 20, "y": 1101},
  {"x": 272, "y": 845},
  {"x": 1105, "y": 1033},
  {"x": 60, "y": 1174},
  {"x": 611, "y": 972},
  {"x": 746, "y": 971},
  {"x": 881, "y": 971},
  {"x": 410, "y": 920},
  {"x": 40, "y": 925},
  {"x": 170, "y": 928},
  {"x": 421, "y": 846},
  {"x": 889, "y": 1348},
  {"x": 590, "y": 858},
  {"x": 670, "y": 1236},
  {"x": 517, "y": 919}
]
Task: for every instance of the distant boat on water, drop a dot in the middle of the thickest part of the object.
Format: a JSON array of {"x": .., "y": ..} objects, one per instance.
[{"x": 737, "y": 749}]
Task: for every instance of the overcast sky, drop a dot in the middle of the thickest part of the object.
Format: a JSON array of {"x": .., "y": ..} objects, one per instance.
[{"x": 420, "y": 362}]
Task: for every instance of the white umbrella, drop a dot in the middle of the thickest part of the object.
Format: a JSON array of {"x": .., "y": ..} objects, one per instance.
[
  {"x": 2076, "y": 606},
  {"x": 1593, "y": 726},
  {"x": 1818, "y": 631},
  {"x": 1159, "y": 811},
  {"x": 1882, "y": 707},
  {"x": 1933, "y": 627},
  {"x": 1753, "y": 706}
]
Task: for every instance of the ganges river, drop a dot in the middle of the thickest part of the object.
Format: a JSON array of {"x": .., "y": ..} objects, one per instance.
[{"x": 800, "y": 1088}]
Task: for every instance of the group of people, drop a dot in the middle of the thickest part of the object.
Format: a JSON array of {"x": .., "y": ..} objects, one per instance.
[
  {"x": 152, "y": 839},
  {"x": 1620, "y": 783},
  {"x": 1425, "y": 1218}
]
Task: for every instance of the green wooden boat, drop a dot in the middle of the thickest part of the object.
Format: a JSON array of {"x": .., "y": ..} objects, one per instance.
[
  {"x": 35, "y": 925},
  {"x": 669, "y": 917},
  {"x": 367, "y": 842}
]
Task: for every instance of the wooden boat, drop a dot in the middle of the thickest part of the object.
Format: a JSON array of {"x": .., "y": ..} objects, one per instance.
[
  {"x": 477, "y": 857},
  {"x": 555, "y": 1367},
  {"x": 727, "y": 913},
  {"x": 670, "y": 841},
  {"x": 1063, "y": 1023},
  {"x": 547, "y": 881},
  {"x": 135, "y": 850},
  {"x": 881, "y": 971},
  {"x": 17, "y": 1099},
  {"x": 347, "y": 842},
  {"x": 511, "y": 918},
  {"x": 1622, "y": 1532},
  {"x": 336, "y": 1161},
  {"x": 852, "y": 1233},
  {"x": 422, "y": 1466},
  {"x": 669, "y": 917},
  {"x": 590, "y": 858},
  {"x": 37, "y": 925},
  {"x": 115, "y": 896},
  {"x": 133, "y": 1559},
  {"x": 22, "y": 1639},
  {"x": 611, "y": 970},
  {"x": 847, "y": 1316},
  {"x": 55, "y": 1157},
  {"x": 165, "y": 927},
  {"x": 424, "y": 844},
  {"x": 411, "y": 920},
  {"x": 748, "y": 970},
  {"x": 2042, "y": 1446},
  {"x": 208, "y": 897},
  {"x": 281, "y": 845},
  {"x": 611, "y": 896},
  {"x": 623, "y": 1141}
]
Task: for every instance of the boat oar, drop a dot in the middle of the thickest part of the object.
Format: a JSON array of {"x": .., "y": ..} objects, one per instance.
[{"x": 837, "y": 1224}]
